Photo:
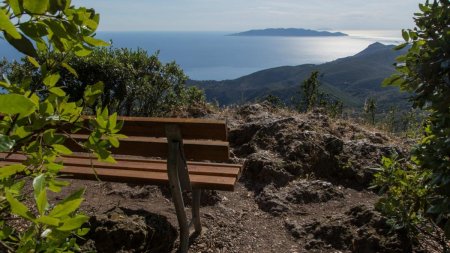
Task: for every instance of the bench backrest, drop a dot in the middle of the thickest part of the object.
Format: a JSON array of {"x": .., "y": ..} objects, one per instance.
[{"x": 203, "y": 139}]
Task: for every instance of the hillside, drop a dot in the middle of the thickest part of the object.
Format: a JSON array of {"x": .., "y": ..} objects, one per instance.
[
  {"x": 294, "y": 32},
  {"x": 304, "y": 188},
  {"x": 351, "y": 79}
]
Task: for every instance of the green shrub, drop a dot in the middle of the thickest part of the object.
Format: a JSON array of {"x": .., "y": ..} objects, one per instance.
[
  {"x": 136, "y": 84},
  {"x": 37, "y": 116},
  {"x": 425, "y": 71}
]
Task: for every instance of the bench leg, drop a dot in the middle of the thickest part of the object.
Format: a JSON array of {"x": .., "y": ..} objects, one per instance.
[
  {"x": 177, "y": 196},
  {"x": 196, "y": 194}
]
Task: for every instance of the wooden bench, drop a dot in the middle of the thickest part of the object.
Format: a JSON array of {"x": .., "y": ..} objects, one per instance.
[{"x": 182, "y": 143}]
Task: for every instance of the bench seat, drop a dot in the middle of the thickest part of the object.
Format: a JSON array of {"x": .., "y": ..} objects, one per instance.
[{"x": 129, "y": 169}]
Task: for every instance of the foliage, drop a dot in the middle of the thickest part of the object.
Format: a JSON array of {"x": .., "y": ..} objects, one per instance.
[
  {"x": 136, "y": 84},
  {"x": 425, "y": 70},
  {"x": 398, "y": 179},
  {"x": 312, "y": 97},
  {"x": 37, "y": 116},
  {"x": 274, "y": 100},
  {"x": 309, "y": 91},
  {"x": 370, "y": 109}
]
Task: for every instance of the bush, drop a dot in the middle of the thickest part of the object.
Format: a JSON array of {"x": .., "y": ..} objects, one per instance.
[
  {"x": 136, "y": 84},
  {"x": 37, "y": 115},
  {"x": 425, "y": 71}
]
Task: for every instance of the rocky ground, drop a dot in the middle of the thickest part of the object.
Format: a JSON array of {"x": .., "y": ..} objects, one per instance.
[{"x": 304, "y": 189}]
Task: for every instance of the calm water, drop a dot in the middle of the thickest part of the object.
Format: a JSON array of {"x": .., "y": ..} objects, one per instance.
[{"x": 215, "y": 56}]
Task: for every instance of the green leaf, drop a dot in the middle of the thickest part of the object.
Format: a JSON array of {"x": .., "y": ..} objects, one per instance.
[
  {"x": 7, "y": 26},
  {"x": 52, "y": 221},
  {"x": 405, "y": 35},
  {"x": 18, "y": 208},
  {"x": 51, "y": 80},
  {"x": 82, "y": 231},
  {"x": 22, "y": 44},
  {"x": 39, "y": 185},
  {"x": 16, "y": 6},
  {"x": 400, "y": 46},
  {"x": 40, "y": 193},
  {"x": 41, "y": 202},
  {"x": 10, "y": 170},
  {"x": 62, "y": 149},
  {"x": 33, "y": 61},
  {"x": 73, "y": 223},
  {"x": 16, "y": 104},
  {"x": 6, "y": 143},
  {"x": 35, "y": 6},
  {"x": 57, "y": 91},
  {"x": 70, "y": 69},
  {"x": 68, "y": 205},
  {"x": 95, "y": 42},
  {"x": 114, "y": 141},
  {"x": 82, "y": 51}
]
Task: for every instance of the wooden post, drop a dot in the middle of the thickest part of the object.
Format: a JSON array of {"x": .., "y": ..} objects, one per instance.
[
  {"x": 196, "y": 195},
  {"x": 173, "y": 165}
]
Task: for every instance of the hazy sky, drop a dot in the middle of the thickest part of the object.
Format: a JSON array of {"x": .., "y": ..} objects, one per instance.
[{"x": 236, "y": 15}]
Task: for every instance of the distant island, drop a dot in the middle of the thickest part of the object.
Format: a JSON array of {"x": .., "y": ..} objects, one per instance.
[{"x": 294, "y": 32}]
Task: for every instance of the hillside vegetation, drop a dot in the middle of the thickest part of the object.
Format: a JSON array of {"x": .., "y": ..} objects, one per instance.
[{"x": 351, "y": 79}]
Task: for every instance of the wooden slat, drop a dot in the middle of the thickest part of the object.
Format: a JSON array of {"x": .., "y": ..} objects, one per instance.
[
  {"x": 202, "y": 175},
  {"x": 133, "y": 176},
  {"x": 157, "y": 147},
  {"x": 206, "y": 129},
  {"x": 213, "y": 169}
]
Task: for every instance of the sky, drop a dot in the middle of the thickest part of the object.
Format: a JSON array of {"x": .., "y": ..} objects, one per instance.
[{"x": 239, "y": 15}]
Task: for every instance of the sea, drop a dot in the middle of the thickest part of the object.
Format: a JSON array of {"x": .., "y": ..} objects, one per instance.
[{"x": 219, "y": 56}]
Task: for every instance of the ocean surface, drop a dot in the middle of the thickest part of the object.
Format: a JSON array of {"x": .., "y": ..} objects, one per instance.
[{"x": 217, "y": 56}]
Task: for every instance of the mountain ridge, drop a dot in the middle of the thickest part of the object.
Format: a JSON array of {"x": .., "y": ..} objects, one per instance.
[
  {"x": 294, "y": 32},
  {"x": 351, "y": 79}
]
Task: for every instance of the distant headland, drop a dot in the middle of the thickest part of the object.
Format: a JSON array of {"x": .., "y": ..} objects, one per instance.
[{"x": 293, "y": 32}]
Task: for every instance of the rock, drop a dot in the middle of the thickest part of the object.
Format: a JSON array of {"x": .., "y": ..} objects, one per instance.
[
  {"x": 123, "y": 230},
  {"x": 263, "y": 168},
  {"x": 360, "y": 229},
  {"x": 315, "y": 191},
  {"x": 290, "y": 198}
]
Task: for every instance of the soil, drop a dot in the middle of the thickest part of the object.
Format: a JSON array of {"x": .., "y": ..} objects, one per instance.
[{"x": 304, "y": 189}]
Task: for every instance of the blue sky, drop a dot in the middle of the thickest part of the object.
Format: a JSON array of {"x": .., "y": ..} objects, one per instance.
[{"x": 237, "y": 15}]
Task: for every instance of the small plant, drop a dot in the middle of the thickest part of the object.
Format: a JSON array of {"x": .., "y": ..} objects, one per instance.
[
  {"x": 37, "y": 116},
  {"x": 309, "y": 92},
  {"x": 370, "y": 108}
]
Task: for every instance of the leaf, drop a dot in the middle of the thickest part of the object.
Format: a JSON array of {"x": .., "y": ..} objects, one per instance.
[
  {"x": 22, "y": 44},
  {"x": 10, "y": 170},
  {"x": 82, "y": 231},
  {"x": 68, "y": 205},
  {"x": 16, "y": 104},
  {"x": 73, "y": 223},
  {"x": 95, "y": 42},
  {"x": 114, "y": 141},
  {"x": 41, "y": 202},
  {"x": 70, "y": 69},
  {"x": 38, "y": 185},
  {"x": 33, "y": 61},
  {"x": 7, "y": 26},
  {"x": 18, "y": 208},
  {"x": 52, "y": 221},
  {"x": 82, "y": 51},
  {"x": 6, "y": 143},
  {"x": 405, "y": 35},
  {"x": 400, "y": 46},
  {"x": 35, "y": 6},
  {"x": 57, "y": 91},
  {"x": 40, "y": 193},
  {"x": 51, "y": 80},
  {"x": 16, "y": 6},
  {"x": 62, "y": 149}
]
